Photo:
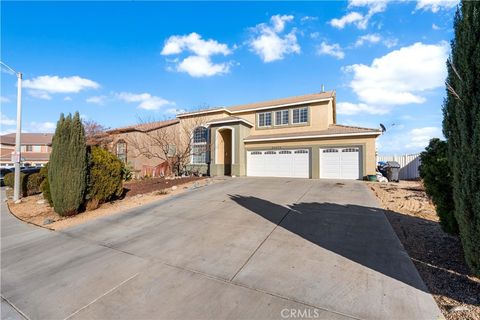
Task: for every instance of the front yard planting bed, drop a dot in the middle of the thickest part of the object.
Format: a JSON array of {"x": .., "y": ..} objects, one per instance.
[
  {"x": 437, "y": 256},
  {"x": 35, "y": 210},
  {"x": 135, "y": 187}
]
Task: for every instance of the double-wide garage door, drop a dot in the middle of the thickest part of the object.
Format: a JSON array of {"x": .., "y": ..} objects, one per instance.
[
  {"x": 334, "y": 163},
  {"x": 279, "y": 163}
]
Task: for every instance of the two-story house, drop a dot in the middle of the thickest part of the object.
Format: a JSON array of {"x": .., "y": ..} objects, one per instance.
[
  {"x": 35, "y": 149},
  {"x": 290, "y": 137}
]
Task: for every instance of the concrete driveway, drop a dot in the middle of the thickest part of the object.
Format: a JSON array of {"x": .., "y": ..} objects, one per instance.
[{"x": 246, "y": 248}]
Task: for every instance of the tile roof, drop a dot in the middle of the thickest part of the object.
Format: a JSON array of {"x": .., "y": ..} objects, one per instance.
[
  {"x": 289, "y": 100},
  {"x": 333, "y": 130},
  {"x": 27, "y": 156},
  {"x": 265, "y": 104},
  {"x": 28, "y": 138},
  {"x": 229, "y": 119},
  {"x": 145, "y": 127}
]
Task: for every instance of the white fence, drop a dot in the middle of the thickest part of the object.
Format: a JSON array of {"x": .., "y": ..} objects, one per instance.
[{"x": 409, "y": 164}]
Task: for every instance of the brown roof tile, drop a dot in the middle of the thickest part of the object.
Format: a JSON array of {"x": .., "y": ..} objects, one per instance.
[
  {"x": 28, "y": 156},
  {"x": 28, "y": 138},
  {"x": 333, "y": 129},
  {"x": 145, "y": 127},
  {"x": 289, "y": 100}
]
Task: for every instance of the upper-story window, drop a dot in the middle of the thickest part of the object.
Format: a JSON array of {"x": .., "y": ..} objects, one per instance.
[
  {"x": 121, "y": 150},
  {"x": 28, "y": 147},
  {"x": 265, "y": 119},
  {"x": 199, "y": 145},
  {"x": 37, "y": 149},
  {"x": 300, "y": 115},
  {"x": 281, "y": 117}
]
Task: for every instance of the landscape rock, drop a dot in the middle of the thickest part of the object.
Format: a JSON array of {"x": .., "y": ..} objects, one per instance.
[
  {"x": 48, "y": 221},
  {"x": 458, "y": 309},
  {"x": 174, "y": 188},
  {"x": 41, "y": 201}
]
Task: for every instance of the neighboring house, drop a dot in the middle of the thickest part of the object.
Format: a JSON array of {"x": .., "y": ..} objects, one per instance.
[
  {"x": 127, "y": 143},
  {"x": 291, "y": 137},
  {"x": 35, "y": 149}
]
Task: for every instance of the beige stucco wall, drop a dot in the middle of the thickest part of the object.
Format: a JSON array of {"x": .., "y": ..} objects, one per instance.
[
  {"x": 320, "y": 116},
  {"x": 367, "y": 145}
]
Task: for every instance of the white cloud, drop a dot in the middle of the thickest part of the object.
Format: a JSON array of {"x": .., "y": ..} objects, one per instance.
[
  {"x": 359, "y": 20},
  {"x": 200, "y": 66},
  {"x": 420, "y": 137},
  {"x": 435, "y": 27},
  {"x": 390, "y": 42},
  {"x": 349, "y": 18},
  {"x": 375, "y": 38},
  {"x": 333, "y": 50},
  {"x": 308, "y": 18},
  {"x": 67, "y": 98},
  {"x": 55, "y": 84},
  {"x": 436, "y": 5},
  {"x": 195, "y": 44},
  {"x": 348, "y": 108},
  {"x": 270, "y": 44},
  {"x": 146, "y": 100},
  {"x": 42, "y": 126},
  {"x": 100, "y": 100},
  {"x": 401, "y": 76},
  {"x": 39, "y": 94},
  {"x": 370, "y": 38},
  {"x": 199, "y": 62},
  {"x": 6, "y": 121},
  {"x": 4, "y": 99},
  {"x": 174, "y": 111}
]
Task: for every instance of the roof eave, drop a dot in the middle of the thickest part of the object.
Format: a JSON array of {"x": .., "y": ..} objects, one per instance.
[{"x": 373, "y": 133}]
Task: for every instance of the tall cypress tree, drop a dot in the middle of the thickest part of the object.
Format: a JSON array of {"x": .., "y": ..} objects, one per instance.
[
  {"x": 67, "y": 172},
  {"x": 461, "y": 126}
]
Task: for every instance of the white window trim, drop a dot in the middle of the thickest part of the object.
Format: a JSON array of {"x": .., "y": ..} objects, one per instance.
[
  {"x": 232, "y": 142},
  {"x": 275, "y": 118},
  {"x": 192, "y": 143},
  {"x": 308, "y": 115},
  {"x": 271, "y": 119}
]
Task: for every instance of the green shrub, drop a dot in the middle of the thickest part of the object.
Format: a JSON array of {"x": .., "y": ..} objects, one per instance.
[
  {"x": 45, "y": 186},
  {"x": 9, "y": 180},
  {"x": 34, "y": 181},
  {"x": 437, "y": 178},
  {"x": 461, "y": 127},
  {"x": 105, "y": 177},
  {"x": 67, "y": 172}
]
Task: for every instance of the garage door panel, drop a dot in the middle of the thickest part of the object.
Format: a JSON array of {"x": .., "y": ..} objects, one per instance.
[
  {"x": 340, "y": 163},
  {"x": 279, "y": 163}
]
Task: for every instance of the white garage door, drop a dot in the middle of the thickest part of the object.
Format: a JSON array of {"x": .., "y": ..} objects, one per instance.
[
  {"x": 279, "y": 163},
  {"x": 340, "y": 163}
]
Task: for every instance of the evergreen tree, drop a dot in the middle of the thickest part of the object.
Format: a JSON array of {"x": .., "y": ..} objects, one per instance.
[
  {"x": 461, "y": 126},
  {"x": 67, "y": 172}
]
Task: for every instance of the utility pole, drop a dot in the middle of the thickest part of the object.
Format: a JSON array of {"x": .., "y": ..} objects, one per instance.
[{"x": 18, "y": 137}]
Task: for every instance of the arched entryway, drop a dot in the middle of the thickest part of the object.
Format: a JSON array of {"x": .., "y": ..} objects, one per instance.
[{"x": 225, "y": 150}]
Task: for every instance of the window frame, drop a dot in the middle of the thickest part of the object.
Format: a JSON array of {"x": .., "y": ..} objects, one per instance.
[
  {"x": 282, "y": 112},
  {"x": 300, "y": 116},
  {"x": 124, "y": 154},
  {"x": 265, "y": 119},
  {"x": 28, "y": 148},
  {"x": 194, "y": 156}
]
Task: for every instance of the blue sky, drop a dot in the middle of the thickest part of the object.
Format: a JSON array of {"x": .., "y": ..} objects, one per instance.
[{"x": 118, "y": 62}]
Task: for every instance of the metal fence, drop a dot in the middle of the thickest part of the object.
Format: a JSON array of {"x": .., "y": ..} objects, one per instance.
[{"x": 409, "y": 164}]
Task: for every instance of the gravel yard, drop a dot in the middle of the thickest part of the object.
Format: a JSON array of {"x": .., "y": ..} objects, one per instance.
[{"x": 437, "y": 256}]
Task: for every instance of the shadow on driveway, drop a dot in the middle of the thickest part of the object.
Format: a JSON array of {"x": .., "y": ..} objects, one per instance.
[{"x": 358, "y": 233}]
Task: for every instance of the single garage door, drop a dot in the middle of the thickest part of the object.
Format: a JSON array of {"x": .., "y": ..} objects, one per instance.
[
  {"x": 279, "y": 163},
  {"x": 340, "y": 163}
]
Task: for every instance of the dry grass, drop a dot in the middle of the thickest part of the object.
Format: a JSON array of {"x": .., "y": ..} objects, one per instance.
[
  {"x": 35, "y": 210},
  {"x": 437, "y": 256}
]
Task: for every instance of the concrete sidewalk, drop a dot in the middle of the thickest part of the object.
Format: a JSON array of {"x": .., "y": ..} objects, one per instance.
[{"x": 243, "y": 249}]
